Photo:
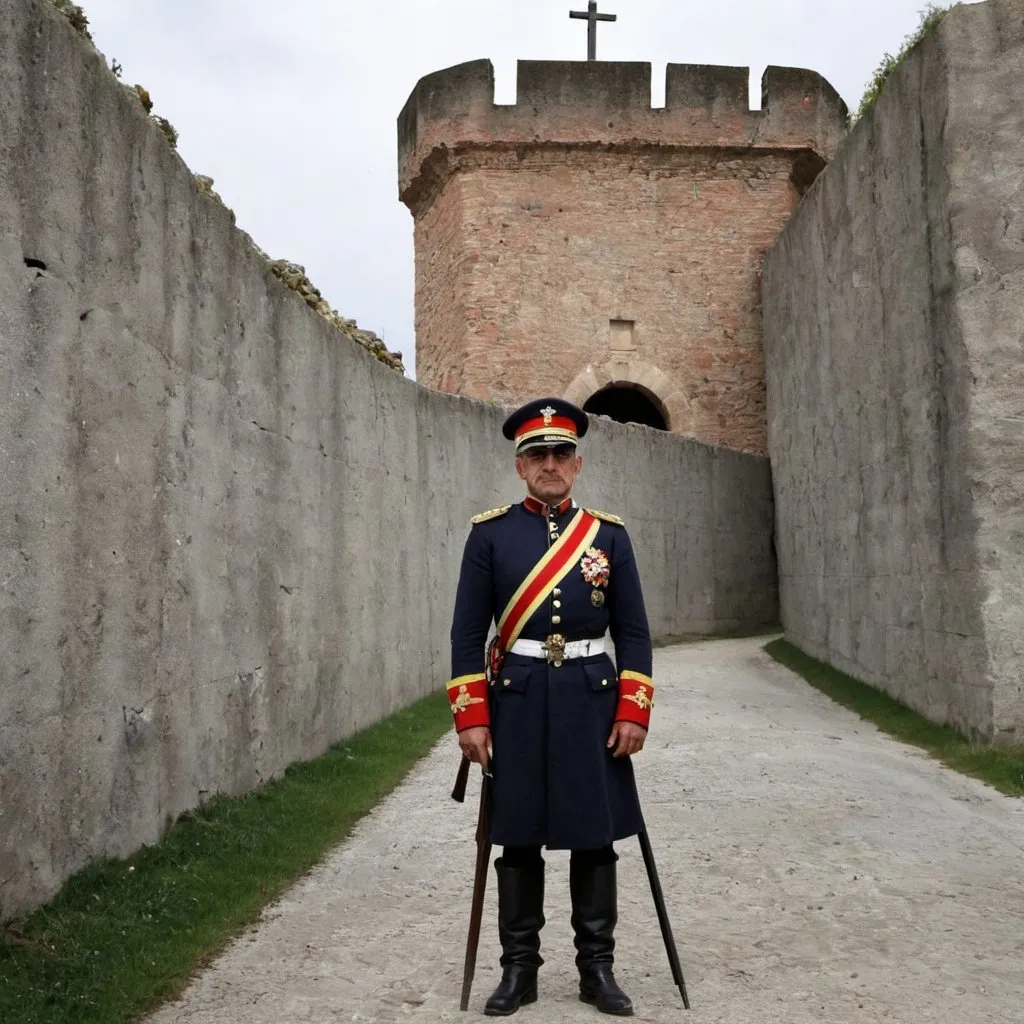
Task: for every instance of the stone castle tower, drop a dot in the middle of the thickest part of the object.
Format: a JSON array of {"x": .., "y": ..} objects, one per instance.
[{"x": 584, "y": 244}]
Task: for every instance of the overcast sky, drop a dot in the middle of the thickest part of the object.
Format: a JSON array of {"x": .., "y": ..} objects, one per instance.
[{"x": 290, "y": 105}]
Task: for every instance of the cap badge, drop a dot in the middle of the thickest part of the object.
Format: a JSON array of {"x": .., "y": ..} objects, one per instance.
[{"x": 547, "y": 412}]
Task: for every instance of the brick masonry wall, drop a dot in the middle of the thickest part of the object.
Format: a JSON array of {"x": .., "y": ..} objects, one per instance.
[
  {"x": 582, "y": 238},
  {"x": 524, "y": 261},
  {"x": 439, "y": 291}
]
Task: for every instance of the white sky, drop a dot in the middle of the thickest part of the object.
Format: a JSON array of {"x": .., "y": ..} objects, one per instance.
[{"x": 291, "y": 106}]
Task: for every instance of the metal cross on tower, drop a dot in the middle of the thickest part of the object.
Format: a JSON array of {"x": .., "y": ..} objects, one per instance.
[{"x": 592, "y": 18}]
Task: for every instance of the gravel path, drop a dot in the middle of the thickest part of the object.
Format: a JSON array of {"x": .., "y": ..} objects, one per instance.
[{"x": 815, "y": 871}]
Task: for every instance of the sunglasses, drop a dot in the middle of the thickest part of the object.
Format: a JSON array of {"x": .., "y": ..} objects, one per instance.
[{"x": 563, "y": 453}]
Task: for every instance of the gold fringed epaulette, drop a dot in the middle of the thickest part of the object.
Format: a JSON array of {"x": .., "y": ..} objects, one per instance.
[
  {"x": 606, "y": 517},
  {"x": 491, "y": 513}
]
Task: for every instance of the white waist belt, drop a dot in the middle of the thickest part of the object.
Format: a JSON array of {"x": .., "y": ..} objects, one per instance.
[{"x": 573, "y": 648}]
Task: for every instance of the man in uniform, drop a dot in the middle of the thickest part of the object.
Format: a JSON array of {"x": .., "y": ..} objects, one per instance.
[{"x": 554, "y": 721}]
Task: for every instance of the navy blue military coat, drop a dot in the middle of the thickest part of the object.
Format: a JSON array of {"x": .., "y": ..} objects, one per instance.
[{"x": 555, "y": 781}]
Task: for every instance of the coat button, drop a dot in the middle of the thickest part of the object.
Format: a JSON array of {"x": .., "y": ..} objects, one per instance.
[
  {"x": 506, "y": 682},
  {"x": 558, "y": 604},
  {"x": 557, "y": 592},
  {"x": 556, "y": 619},
  {"x": 604, "y": 682}
]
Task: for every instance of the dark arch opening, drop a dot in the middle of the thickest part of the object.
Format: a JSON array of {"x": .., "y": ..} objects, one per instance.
[{"x": 626, "y": 405}]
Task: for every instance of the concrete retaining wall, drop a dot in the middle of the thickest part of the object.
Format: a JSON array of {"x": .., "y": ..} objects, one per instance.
[
  {"x": 894, "y": 318},
  {"x": 228, "y": 535}
]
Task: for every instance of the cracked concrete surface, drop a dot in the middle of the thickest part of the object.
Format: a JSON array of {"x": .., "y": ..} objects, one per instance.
[{"x": 815, "y": 871}]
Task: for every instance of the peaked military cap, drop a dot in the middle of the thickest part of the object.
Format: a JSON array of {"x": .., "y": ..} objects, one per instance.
[{"x": 545, "y": 423}]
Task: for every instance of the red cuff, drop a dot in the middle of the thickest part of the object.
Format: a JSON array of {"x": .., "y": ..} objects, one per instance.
[
  {"x": 468, "y": 698},
  {"x": 636, "y": 698}
]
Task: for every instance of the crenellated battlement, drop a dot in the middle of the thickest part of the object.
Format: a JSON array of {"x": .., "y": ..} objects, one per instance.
[{"x": 609, "y": 103}]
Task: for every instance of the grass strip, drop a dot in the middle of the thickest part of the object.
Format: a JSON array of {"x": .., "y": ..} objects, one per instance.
[
  {"x": 672, "y": 639},
  {"x": 124, "y": 935},
  {"x": 1001, "y": 767}
]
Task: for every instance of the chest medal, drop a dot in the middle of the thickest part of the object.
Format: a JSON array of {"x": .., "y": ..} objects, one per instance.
[{"x": 596, "y": 570}]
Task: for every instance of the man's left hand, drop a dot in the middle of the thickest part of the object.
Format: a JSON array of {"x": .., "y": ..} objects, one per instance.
[{"x": 627, "y": 738}]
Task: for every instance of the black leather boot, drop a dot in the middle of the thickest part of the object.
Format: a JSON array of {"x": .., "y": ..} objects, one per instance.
[
  {"x": 594, "y": 916},
  {"x": 520, "y": 919}
]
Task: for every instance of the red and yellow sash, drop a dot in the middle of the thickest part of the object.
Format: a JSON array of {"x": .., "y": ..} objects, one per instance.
[
  {"x": 468, "y": 694},
  {"x": 546, "y": 575}
]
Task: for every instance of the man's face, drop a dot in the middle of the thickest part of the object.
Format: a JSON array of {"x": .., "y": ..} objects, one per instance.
[{"x": 549, "y": 472}]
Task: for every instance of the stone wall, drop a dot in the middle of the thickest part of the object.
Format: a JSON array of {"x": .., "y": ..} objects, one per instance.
[
  {"x": 894, "y": 318},
  {"x": 581, "y": 238},
  {"x": 228, "y": 535}
]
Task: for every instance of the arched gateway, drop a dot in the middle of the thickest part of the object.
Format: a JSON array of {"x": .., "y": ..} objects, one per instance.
[
  {"x": 630, "y": 390},
  {"x": 627, "y": 404}
]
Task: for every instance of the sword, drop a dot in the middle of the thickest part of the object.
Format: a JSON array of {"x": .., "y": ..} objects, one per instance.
[
  {"x": 659, "y": 906},
  {"x": 483, "y": 860}
]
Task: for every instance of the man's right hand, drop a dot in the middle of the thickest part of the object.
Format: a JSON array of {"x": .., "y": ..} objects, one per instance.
[{"x": 476, "y": 745}]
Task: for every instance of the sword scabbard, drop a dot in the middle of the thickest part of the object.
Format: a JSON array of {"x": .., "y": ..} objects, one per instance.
[{"x": 662, "y": 912}]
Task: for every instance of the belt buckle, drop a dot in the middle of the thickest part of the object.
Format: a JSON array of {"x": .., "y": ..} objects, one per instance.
[{"x": 554, "y": 648}]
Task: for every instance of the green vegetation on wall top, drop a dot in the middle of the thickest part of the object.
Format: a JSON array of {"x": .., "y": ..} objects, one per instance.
[
  {"x": 930, "y": 18},
  {"x": 74, "y": 14}
]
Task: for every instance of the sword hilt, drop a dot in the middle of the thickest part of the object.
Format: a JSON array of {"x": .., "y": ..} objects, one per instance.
[{"x": 461, "y": 779}]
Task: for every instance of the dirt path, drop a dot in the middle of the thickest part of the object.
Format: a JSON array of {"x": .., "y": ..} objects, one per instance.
[{"x": 815, "y": 870}]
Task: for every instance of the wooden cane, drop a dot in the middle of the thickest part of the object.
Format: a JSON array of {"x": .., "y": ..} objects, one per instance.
[{"x": 483, "y": 860}]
